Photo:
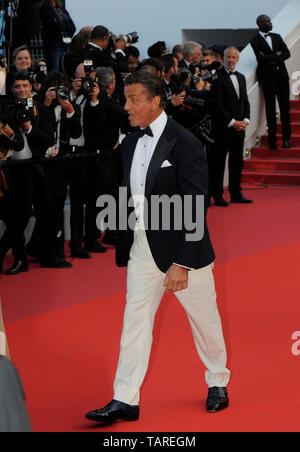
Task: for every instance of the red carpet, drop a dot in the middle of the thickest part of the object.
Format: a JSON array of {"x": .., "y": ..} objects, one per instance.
[{"x": 64, "y": 329}]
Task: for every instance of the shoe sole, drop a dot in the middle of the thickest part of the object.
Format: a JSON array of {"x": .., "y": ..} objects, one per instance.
[{"x": 225, "y": 405}]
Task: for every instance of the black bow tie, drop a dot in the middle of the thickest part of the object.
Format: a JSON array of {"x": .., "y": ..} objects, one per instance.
[
  {"x": 266, "y": 34},
  {"x": 232, "y": 73},
  {"x": 146, "y": 131}
]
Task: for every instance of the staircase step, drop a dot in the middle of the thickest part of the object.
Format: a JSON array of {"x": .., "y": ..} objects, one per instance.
[
  {"x": 295, "y": 104},
  {"x": 264, "y": 152},
  {"x": 280, "y": 165},
  {"x": 294, "y": 125},
  {"x": 295, "y": 139},
  {"x": 270, "y": 178},
  {"x": 295, "y": 115}
]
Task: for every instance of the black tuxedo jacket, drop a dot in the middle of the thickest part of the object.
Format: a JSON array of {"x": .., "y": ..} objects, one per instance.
[
  {"x": 268, "y": 61},
  {"x": 187, "y": 175},
  {"x": 225, "y": 104},
  {"x": 41, "y": 136},
  {"x": 102, "y": 58}
]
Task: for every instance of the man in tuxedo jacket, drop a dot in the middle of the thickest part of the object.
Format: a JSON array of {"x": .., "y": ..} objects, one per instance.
[
  {"x": 163, "y": 158},
  {"x": 271, "y": 53},
  {"x": 231, "y": 116},
  {"x": 98, "y": 51}
]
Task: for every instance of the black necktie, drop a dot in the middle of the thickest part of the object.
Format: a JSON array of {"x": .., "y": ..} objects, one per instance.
[{"x": 146, "y": 131}]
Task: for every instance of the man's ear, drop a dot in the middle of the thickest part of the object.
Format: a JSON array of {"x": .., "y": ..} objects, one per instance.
[{"x": 156, "y": 102}]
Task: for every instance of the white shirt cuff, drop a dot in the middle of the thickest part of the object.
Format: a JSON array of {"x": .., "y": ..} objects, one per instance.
[
  {"x": 183, "y": 266},
  {"x": 247, "y": 120},
  {"x": 231, "y": 123},
  {"x": 120, "y": 51},
  {"x": 70, "y": 115}
]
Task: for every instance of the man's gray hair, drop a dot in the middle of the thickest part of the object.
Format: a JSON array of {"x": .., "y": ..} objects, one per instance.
[
  {"x": 231, "y": 48},
  {"x": 105, "y": 75},
  {"x": 190, "y": 48}
]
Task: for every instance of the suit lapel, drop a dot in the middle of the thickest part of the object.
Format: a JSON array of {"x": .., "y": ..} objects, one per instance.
[
  {"x": 265, "y": 44},
  {"x": 130, "y": 148},
  {"x": 229, "y": 83},
  {"x": 161, "y": 152}
]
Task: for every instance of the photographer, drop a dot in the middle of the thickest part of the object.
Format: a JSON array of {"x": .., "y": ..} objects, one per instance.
[
  {"x": 55, "y": 93},
  {"x": 10, "y": 139},
  {"x": 103, "y": 119},
  {"x": 29, "y": 183},
  {"x": 170, "y": 69},
  {"x": 99, "y": 47},
  {"x": 82, "y": 177}
]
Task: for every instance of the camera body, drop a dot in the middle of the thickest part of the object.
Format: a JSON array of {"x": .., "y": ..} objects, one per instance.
[
  {"x": 88, "y": 82},
  {"x": 23, "y": 109},
  {"x": 63, "y": 93}
]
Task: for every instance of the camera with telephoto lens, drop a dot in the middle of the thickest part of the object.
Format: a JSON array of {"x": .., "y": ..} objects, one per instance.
[
  {"x": 24, "y": 109},
  {"x": 204, "y": 67},
  {"x": 129, "y": 38},
  {"x": 182, "y": 81}
]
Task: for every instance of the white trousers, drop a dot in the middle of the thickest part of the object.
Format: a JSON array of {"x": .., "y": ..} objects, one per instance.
[{"x": 144, "y": 293}]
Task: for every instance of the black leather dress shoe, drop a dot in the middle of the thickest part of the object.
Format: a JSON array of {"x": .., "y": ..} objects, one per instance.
[
  {"x": 94, "y": 247},
  {"x": 240, "y": 200},
  {"x": 286, "y": 144},
  {"x": 273, "y": 146},
  {"x": 114, "y": 411},
  {"x": 221, "y": 202},
  {"x": 217, "y": 399},
  {"x": 80, "y": 253},
  {"x": 20, "y": 266},
  {"x": 55, "y": 263}
]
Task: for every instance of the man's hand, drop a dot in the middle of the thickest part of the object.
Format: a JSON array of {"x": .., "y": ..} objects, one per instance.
[
  {"x": 6, "y": 130},
  {"x": 178, "y": 99},
  {"x": 66, "y": 105},
  {"x": 50, "y": 95},
  {"x": 95, "y": 93},
  {"x": 240, "y": 126},
  {"x": 176, "y": 279},
  {"x": 120, "y": 44}
]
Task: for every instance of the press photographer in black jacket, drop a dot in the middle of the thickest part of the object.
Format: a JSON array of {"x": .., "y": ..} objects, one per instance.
[
  {"x": 55, "y": 94},
  {"x": 29, "y": 183}
]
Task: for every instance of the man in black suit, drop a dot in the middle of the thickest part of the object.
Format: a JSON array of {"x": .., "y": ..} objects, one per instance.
[
  {"x": 231, "y": 116},
  {"x": 163, "y": 159},
  {"x": 30, "y": 185},
  {"x": 98, "y": 50},
  {"x": 271, "y": 53}
]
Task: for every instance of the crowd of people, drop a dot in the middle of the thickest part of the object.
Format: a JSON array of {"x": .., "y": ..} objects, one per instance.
[{"x": 62, "y": 119}]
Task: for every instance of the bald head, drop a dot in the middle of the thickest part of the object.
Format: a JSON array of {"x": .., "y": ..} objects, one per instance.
[{"x": 264, "y": 23}]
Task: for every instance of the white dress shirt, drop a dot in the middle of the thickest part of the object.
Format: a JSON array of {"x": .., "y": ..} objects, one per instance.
[
  {"x": 267, "y": 38},
  {"x": 142, "y": 156}
]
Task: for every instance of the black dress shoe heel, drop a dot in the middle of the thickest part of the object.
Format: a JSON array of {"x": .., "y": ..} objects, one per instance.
[
  {"x": 114, "y": 411},
  {"x": 240, "y": 199},
  {"x": 217, "y": 399},
  {"x": 221, "y": 202},
  {"x": 20, "y": 266}
]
